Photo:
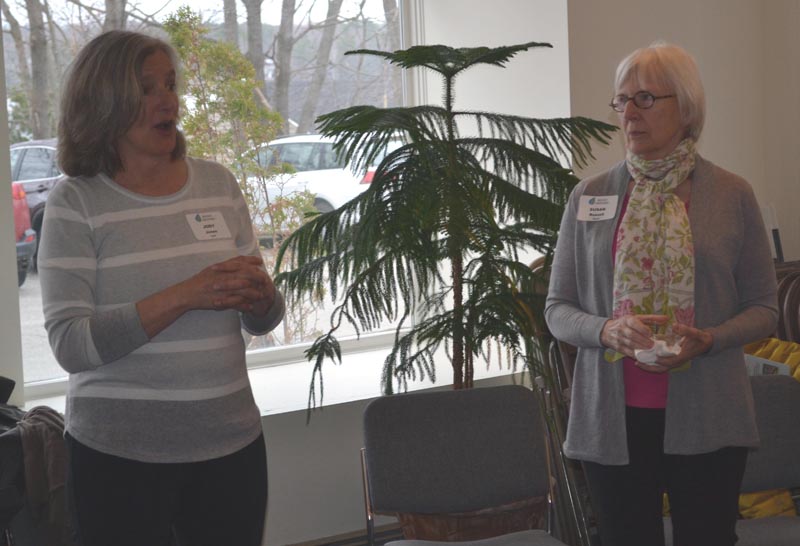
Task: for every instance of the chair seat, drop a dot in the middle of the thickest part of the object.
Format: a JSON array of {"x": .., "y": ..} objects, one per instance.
[
  {"x": 771, "y": 531},
  {"x": 535, "y": 537}
]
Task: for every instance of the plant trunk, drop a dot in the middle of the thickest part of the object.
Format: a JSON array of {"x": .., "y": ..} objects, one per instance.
[
  {"x": 458, "y": 322},
  {"x": 462, "y": 377}
]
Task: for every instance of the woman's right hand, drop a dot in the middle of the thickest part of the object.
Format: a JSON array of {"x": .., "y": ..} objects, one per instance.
[
  {"x": 237, "y": 283},
  {"x": 627, "y": 334}
]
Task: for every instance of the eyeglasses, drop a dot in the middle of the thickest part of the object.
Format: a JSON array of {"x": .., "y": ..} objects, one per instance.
[{"x": 642, "y": 99}]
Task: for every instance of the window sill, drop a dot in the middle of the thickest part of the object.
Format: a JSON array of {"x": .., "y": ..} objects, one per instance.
[
  {"x": 283, "y": 387},
  {"x": 281, "y": 378}
]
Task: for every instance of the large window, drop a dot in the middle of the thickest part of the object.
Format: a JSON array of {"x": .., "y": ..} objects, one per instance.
[{"x": 301, "y": 71}]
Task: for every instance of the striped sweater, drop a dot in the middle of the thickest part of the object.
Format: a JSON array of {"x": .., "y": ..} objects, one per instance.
[{"x": 183, "y": 395}]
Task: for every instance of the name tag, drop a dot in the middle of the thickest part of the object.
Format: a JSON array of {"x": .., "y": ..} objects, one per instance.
[
  {"x": 208, "y": 225},
  {"x": 592, "y": 208}
]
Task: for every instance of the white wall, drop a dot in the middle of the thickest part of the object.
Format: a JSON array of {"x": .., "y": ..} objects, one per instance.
[
  {"x": 725, "y": 36},
  {"x": 314, "y": 473},
  {"x": 747, "y": 51},
  {"x": 780, "y": 59},
  {"x": 534, "y": 83},
  {"x": 315, "y": 485}
]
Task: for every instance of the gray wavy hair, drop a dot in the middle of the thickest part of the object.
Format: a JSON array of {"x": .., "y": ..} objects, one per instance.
[{"x": 102, "y": 99}]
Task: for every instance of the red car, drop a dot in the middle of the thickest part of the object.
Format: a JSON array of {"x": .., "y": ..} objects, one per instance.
[
  {"x": 33, "y": 163},
  {"x": 23, "y": 233}
]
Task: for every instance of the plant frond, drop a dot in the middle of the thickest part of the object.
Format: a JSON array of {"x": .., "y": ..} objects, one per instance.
[
  {"x": 535, "y": 171},
  {"x": 562, "y": 138},
  {"x": 325, "y": 347},
  {"x": 447, "y": 60},
  {"x": 411, "y": 358},
  {"x": 362, "y": 133}
]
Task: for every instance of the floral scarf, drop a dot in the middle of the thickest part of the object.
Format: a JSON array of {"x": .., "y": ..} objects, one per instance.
[{"x": 654, "y": 261}]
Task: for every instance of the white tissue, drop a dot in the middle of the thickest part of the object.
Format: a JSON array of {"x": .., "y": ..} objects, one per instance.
[{"x": 659, "y": 348}]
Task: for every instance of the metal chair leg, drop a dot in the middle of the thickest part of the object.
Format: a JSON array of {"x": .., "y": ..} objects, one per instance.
[{"x": 367, "y": 504}]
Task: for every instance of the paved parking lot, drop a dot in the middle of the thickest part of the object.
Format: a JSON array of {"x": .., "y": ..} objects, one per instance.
[{"x": 39, "y": 362}]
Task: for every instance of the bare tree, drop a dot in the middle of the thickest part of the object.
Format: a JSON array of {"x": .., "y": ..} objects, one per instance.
[
  {"x": 392, "y": 76},
  {"x": 284, "y": 43},
  {"x": 60, "y": 58},
  {"x": 282, "y": 51},
  {"x": 231, "y": 23},
  {"x": 19, "y": 47},
  {"x": 20, "y": 118},
  {"x": 40, "y": 105},
  {"x": 115, "y": 15},
  {"x": 255, "y": 41},
  {"x": 392, "y": 15},
  {"x": 307, "y": 115},
  {"x": 95, "y": 14},
  {"x": 320, "y": 66}
]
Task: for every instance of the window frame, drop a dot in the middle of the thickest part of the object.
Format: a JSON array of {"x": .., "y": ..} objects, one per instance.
[{"x": 12, "y": 366}]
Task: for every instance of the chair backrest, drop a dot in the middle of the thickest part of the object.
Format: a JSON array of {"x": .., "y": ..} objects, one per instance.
[
  {"x": 774, "y": 465},
  {"x": 454, "y": 451}
]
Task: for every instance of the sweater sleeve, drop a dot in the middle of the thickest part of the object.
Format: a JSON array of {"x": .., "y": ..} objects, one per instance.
[
  {"x": 565, "y": 316},
  {"x": 757, "y": 315},
  {"x": 259, "y": 325},
  {"x": 81, "y": 336}
]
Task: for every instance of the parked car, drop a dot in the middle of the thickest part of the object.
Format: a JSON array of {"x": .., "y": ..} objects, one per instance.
[
  {"x": 33, "y": 164},
  {"x": 24, "y": 235},
  {"x": 317, "y": 170}
]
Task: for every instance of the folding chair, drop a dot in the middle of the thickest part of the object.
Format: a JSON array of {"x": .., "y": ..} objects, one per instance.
[{"x": 469, "y": 453}]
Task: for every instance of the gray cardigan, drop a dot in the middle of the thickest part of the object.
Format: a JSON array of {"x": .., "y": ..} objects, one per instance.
[{"x": 710, "y": 405}]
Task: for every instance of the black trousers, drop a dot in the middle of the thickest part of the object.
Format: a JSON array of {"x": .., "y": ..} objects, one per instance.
[
  {"x": 703, "y": 490},
  {"x": 121, "y": 502}
]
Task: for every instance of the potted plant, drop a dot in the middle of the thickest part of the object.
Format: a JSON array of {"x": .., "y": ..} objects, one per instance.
[{"x": 437, "y": 235}]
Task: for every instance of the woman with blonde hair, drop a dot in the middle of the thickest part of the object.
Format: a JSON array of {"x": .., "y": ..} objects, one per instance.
[{"x": 662, "y": 272}]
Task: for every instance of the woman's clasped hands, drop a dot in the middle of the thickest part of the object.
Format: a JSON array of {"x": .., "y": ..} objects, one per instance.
[
  {"x": 240, "y": 283},
  {"x": 630, "y": 333}
]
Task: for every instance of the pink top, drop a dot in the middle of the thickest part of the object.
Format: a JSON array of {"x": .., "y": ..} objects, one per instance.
[{"x": 642, "y": 389}]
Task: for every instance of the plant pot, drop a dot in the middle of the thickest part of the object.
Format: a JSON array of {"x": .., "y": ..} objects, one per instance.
[{"x": 479, "y": 524}]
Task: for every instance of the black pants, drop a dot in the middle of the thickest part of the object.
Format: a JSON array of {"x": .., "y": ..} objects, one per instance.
[
  {"x": 120, "y": 502},
  {"x": 703, "y": 490}
]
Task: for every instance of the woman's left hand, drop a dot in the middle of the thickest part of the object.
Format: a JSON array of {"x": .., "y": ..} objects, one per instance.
[
  {"x": 245, "y": 282},
  {"x": 695, "y": 343}
]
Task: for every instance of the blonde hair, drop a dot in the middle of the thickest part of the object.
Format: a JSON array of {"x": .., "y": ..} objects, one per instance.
[
  {"x": 675, "y": 69},
  {"x": 102, "y": 99}
]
